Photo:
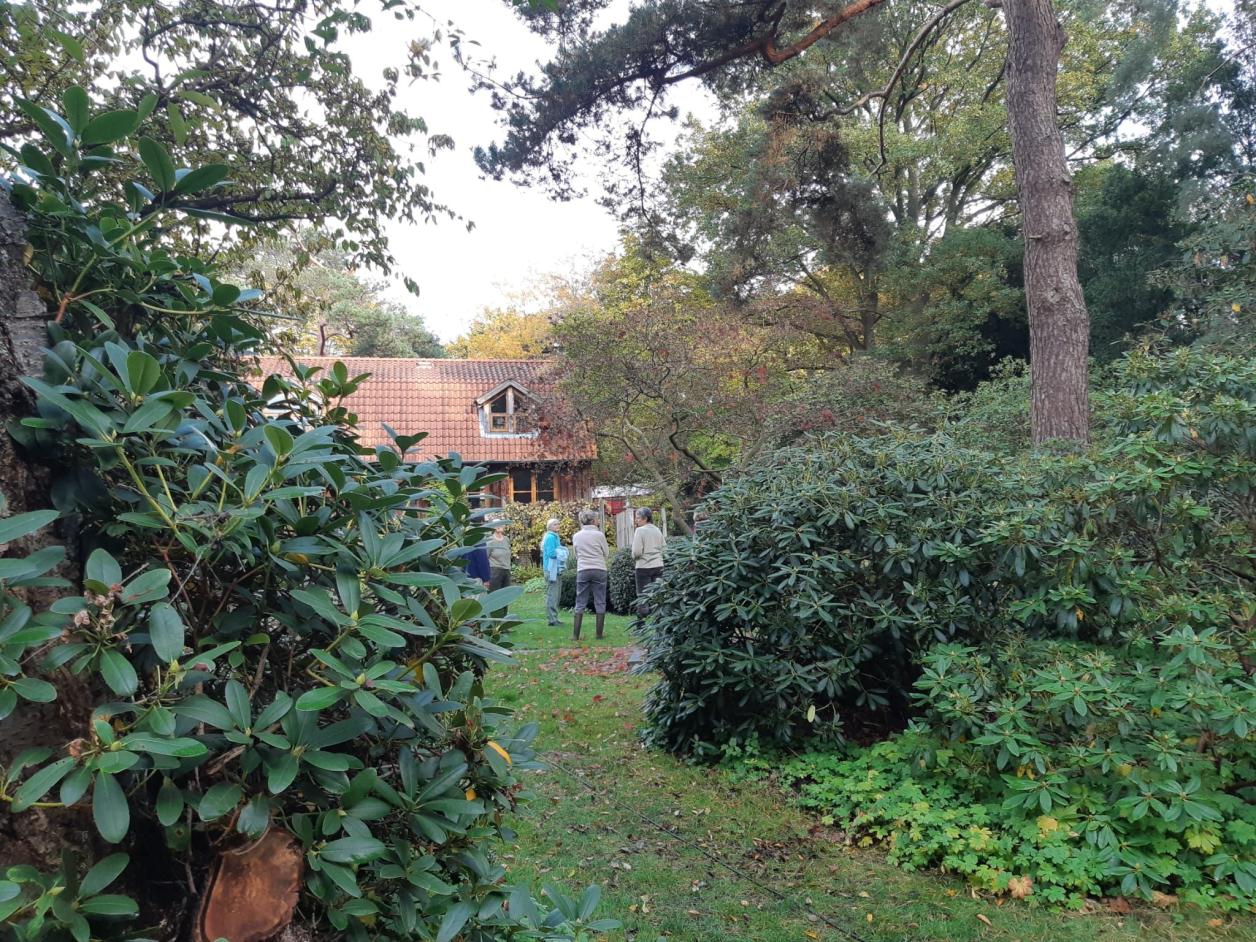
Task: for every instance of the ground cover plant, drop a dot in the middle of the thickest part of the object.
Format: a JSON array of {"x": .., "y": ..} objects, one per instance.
[{"x": 274, "y": 637}]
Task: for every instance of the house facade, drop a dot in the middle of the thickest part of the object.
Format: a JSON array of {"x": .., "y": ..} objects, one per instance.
[{"x": 490, "y": 412}]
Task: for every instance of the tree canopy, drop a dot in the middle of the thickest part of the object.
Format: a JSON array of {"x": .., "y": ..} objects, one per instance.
[
  {"x": 263, "y": 85},
  {"x": 328, "y": 307}
]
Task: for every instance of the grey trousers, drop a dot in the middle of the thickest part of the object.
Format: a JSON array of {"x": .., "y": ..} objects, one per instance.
[
  {"x": 591, "y": 582},
  {"x": 553, "y": 593}
]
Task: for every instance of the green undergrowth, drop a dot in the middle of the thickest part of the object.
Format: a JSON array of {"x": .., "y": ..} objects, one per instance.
[{"x": 588, "y": 830}]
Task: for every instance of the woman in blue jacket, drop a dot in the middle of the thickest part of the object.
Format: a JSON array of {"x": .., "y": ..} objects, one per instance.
[{"x": 553, "y": 562}]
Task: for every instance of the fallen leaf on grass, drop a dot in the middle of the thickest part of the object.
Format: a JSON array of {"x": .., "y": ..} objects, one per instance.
[
  {"x": 1163, "y": 900},
  {"x": 1215, "y": 923},
  {"x": 1117, "y": 904},
  {"x": 1020, "y": 887},
  {"x": 985, "y": 920}
]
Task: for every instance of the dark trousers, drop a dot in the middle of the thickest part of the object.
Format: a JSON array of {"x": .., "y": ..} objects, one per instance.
[
  {"x": 498, "y": 578},
  {"x": 645, "y": 577},
  {"x": 590, "y": 586}
]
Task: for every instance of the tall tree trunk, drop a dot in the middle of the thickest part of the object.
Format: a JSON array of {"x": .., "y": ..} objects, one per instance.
[
  {"x": 36, "y": 839},
  {"x": 1059, "y": 326}
]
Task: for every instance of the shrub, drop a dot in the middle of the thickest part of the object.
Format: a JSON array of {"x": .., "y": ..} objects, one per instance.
[
  {"x": 824, "y": 574},
  {"x": 567, "y": 591},
  {"x": 816, "y": 579},
  {"x": 525, "y": 573},
  {"x": 1065, "y": 771},
  {"x": 622, "y": 583},
  {"x": 275, "y": 632}
]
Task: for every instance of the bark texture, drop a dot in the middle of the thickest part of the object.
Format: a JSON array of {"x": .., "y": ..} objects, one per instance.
[
  {"x": 1059, "y": 326},
  {"x": 34, "y": 837}
]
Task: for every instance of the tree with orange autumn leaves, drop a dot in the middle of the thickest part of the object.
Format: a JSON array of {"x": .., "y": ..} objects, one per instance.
[{"x": 678, "y": 388}]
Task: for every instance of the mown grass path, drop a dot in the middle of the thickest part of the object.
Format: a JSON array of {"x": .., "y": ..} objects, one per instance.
[{"x": 660, "y": 887}]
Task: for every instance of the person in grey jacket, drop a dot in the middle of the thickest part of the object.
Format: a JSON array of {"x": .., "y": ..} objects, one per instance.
[{"x": 593, "y": 556}]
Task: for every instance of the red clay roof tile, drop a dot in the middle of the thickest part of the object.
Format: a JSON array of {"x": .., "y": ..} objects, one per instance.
[{"x": 439, "y": 397}]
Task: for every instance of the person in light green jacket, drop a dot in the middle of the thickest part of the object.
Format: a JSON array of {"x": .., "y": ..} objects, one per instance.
[{"x": 498, "y": 558}]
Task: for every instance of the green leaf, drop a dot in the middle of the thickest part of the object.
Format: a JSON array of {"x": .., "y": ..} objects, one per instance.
[
  {"x": 35, "y": 690},
  {"x": 147, "y": 415},
  {"x": 279, "y": 437},
  {"x": 178, "y": 126},
  {"x": 320, "y": 698},
  {"x": 103, "y": 568},
  {"x": 165, "y": 631},
  {"x": 38, "y": 785},
  {"x": 219, "y": 800},
  {"x": 353, "y": 850},
  {"x": 464, "y": 610},
  {"x": 56, "y": 129},
  {"x": 280, "y": 773},
  {"x": 109, "y": 809},
  {"x": 77, "y": 108},
  {"x": 157, "y": 159},
  {"x": 204, "y": 710},
  {"x": 455, "y": 918},
  {"x": 118, "y": 672},
  {"x": 202, "y": 178},
  {"x": 102, "y": 874},
  {"x": 254, "y": 817},
  {"x": 321, "y": 604},
  {"x": 109, "y": 905},
  {"x": 73, "y": 48},
  {"x": 20, "y": 525},
  {"x": 109, "y": 127},
  {"x": 147, "y": 587},
  {"x": 169, "y": 803},
  {"x": 142, "y": 372}
]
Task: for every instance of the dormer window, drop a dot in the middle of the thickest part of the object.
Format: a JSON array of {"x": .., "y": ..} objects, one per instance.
[
  {"x": 504, "y": 414},
  {"x": 505, "y": 411}
]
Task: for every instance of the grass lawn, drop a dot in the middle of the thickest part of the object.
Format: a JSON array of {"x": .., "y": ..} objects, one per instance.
[{"x": 660, "y": 888}]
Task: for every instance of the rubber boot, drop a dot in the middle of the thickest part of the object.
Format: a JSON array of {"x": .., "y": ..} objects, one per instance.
[
  {"x": 575, "y": 625},
  {"x": 601, "y": 623}
]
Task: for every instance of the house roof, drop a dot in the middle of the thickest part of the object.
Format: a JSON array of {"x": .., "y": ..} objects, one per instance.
[{"x": 440, "y": 397}]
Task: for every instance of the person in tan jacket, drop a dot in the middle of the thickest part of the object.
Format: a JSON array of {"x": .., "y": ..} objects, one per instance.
[{"x": 647, "y": 549}]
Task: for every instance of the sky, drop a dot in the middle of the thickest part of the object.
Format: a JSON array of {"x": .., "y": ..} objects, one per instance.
[{"x": 520, "y": 234}]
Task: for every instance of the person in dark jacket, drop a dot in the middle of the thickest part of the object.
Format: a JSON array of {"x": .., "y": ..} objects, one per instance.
[{"x": 477, "y": 564}]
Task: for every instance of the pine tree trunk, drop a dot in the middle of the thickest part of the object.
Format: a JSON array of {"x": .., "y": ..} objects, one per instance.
[
  {"x": 1059, "y": 326},
  {"x": 33, "y": 838}
]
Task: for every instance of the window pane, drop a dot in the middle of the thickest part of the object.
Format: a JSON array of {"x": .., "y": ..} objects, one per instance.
[
  {"x": 544, "y": 485},
  {"x": 521, "y": 485},
  {"x": 498, "y": 405}
]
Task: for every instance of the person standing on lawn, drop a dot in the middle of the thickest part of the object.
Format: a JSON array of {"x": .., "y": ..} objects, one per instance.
[
  {"x": 499, "y": 557},
  {"x": 593, "y": 557},
  {"x": 553, "y": 562},
  {"x": 647, "y": 551}
]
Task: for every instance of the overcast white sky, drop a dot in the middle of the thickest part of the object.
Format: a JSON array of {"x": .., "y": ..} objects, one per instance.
[{"x": 520, "y": 233}]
